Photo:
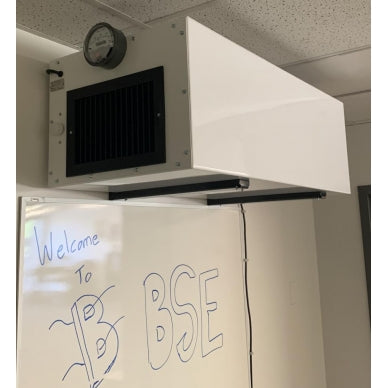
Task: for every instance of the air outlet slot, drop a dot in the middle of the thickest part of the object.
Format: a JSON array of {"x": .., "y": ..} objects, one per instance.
[{"x": 116, "y": 124}]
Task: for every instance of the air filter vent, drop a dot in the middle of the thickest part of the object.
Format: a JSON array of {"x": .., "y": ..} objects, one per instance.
[{"x": 116, "y": 124}]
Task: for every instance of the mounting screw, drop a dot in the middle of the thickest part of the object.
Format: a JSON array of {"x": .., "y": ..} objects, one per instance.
[
  {"x": 133, "y": 38},
  {"x": 186, "y": 152},
  {"x": 50, "y": 173},
  {"x": 57, "y": 62},
  {"x": 172, "y": 25},
  {"x": 158, "y": 114},
  {"x": 60, "y": 113},
  {"x": 184, "y": 91},
  {"x": 70, "y": 132},
  {"x": 60, "y": 142},
  {"x": 181, "y": 32},
  {"x": 178, "y": 164},
  {"x": 56, "y": 180},
  {"x": 51, "y": 121}
]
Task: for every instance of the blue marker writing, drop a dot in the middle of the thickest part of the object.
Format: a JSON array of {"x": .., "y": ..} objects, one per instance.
[{"x": 56, "y": 246}]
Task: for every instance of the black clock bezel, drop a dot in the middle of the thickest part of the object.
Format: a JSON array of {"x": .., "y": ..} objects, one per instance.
[{"x": 116, "y": 54}]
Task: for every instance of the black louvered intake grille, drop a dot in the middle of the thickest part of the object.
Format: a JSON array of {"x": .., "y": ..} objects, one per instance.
[{"x": 116, "y": 124}]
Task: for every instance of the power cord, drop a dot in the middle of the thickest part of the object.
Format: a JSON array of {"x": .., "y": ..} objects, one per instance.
[{"x": 246, "y": 292}]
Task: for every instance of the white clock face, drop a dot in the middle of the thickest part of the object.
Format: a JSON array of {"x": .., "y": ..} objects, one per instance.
[{"x": 100, "y": 44}]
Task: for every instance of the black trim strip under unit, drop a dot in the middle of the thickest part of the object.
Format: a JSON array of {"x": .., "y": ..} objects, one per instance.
[
  {"x": 182, "y": 188},
  {"x": 264, "y": 196}
]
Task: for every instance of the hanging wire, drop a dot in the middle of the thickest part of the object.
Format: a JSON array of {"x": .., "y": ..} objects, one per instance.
[{"x": 246, "y": 292}]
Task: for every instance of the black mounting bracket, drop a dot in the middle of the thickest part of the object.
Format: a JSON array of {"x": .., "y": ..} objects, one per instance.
[
  {"x": 59, "y": 73},
  {"x": 285, "y": 194},
  {"x": 182, "y": 188},
  {"x": 212, "y": 191}
]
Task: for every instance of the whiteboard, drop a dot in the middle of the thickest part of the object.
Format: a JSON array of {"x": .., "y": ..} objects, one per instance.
[{"x": 114, "y": 296}]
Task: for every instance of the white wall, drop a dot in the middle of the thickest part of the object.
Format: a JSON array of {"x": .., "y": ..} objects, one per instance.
[
  {"x": 283, "y": 279},
  {"x": 284, "y": 293},
  {"x": 345, "y": 316}
]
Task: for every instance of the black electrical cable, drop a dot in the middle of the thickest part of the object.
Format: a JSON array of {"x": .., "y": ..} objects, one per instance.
[{"x": 246, "y": 292}]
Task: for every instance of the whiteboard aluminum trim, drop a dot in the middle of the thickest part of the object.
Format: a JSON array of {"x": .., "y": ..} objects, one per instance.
[
  {"x": 153, "y": 202},
  {"x": 20, "y": 266}
]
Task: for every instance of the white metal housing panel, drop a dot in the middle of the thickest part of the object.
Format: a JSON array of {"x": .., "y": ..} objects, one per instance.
[
  {"x": 163, "y": 46},
  {"x": 250, "y": 118}
]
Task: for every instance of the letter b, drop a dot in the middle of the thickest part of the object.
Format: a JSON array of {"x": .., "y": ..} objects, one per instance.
[{"x": 158, "y": 321}]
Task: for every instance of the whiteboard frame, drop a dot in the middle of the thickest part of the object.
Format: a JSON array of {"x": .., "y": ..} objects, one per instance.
[{"x": 25, "y": 201}]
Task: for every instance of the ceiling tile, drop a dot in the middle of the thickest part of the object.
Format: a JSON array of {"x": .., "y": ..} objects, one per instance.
[
  {"x": 280, "y": 31},
  {"x": 67, "y": 20},
  {"x": 152, "y": 9},
  {"x": 284, "y": 31}
]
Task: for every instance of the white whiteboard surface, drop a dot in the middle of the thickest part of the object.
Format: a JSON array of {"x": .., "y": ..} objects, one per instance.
[{"x": 114, "y": 296}]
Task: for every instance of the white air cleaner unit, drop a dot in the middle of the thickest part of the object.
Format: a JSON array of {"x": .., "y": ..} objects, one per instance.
[{"x": 187, "y": 105}]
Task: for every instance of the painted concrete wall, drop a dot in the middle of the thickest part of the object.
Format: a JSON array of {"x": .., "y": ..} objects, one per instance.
[
  {"x": 284, "y": 289},
  {"x": 345, "y": 316}
]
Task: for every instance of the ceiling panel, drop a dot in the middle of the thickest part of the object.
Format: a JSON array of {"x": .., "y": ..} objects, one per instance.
[
  {"x": 152, "y": 9},
  {"x": 66, "y": 20},
  {"x": 280, "y": 31},
  {"x": 284, "y": 31}
]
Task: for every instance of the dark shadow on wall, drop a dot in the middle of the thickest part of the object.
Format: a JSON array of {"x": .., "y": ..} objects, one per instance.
[{"x": 364, "y": 199}]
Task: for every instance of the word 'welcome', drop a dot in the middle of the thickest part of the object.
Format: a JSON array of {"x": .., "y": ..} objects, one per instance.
[{"x": 64, "y": 245}]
